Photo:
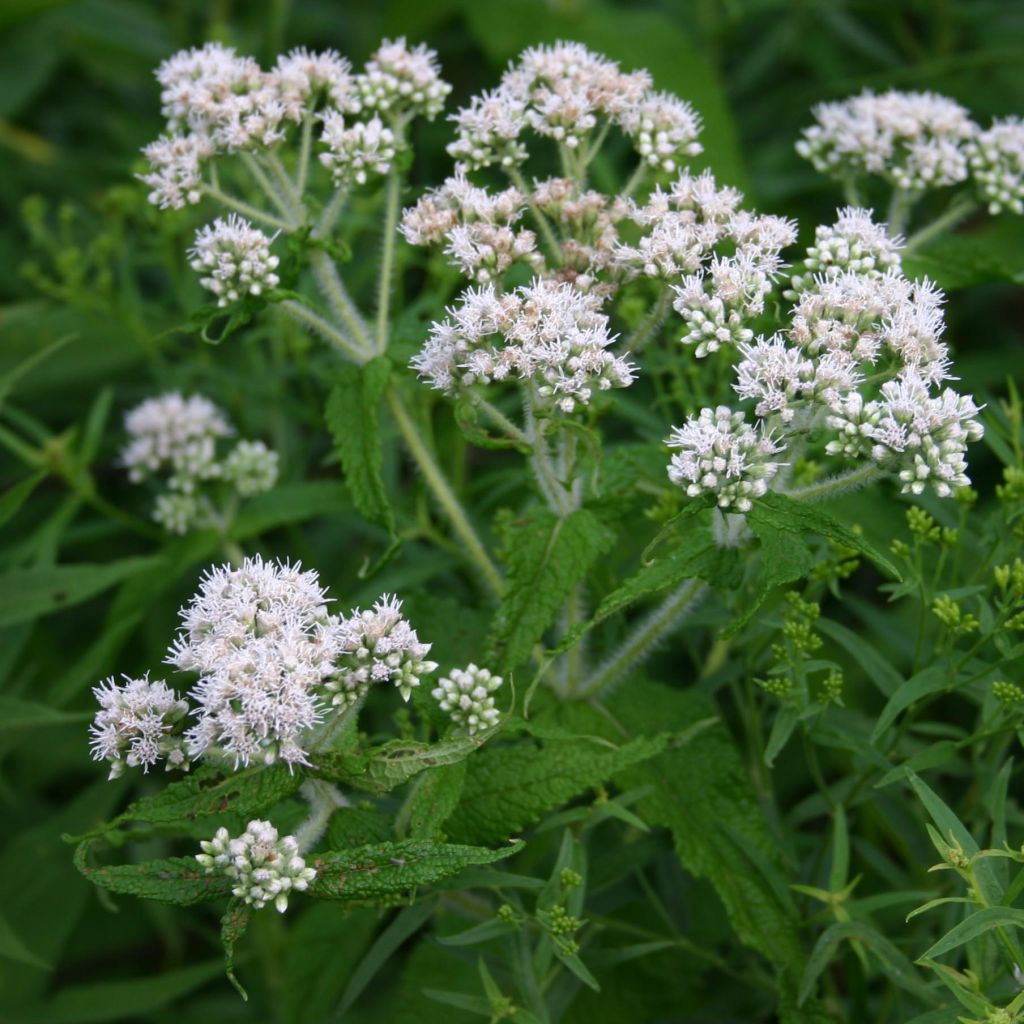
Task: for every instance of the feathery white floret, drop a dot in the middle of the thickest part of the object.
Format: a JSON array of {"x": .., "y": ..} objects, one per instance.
[
  {"x": 235, "y": 258},
  {"x": 664, "y": 130},
  {"x": 400, "y": 81},
  {"x": 467, "y": 695},
  {"x": 136, "y": 725},
  {"x": 262, "y": 642},
  {"x": 547, "y": 332},
  {"x": 915, "y": 140},
  {"x": 996, "y": 158},
  {"x": 378, "y": 645},
  {"x": 265, "y": 867},
  {"x": 356, "y": 152},
  {"x": 721, "y": 454}
]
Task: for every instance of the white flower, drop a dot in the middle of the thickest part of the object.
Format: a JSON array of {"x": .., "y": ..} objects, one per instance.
[
  {"x": 664, "y": 130},
  {"x": 175, "y": 177},
  {"x": 400, "y": 80},
  {"x": 488, "y": 130},
  {"x": 177, "y": 511},
  {"x": 855, "y": 244},
  {"x": 300, "y": 75},
  {"x": 251, "y": 467},
  {"x": 263, "y": 644},
  {"x": 915, "y": 140},
  {"x": 354, "y": 153},
  {"x": 996, "y": 158},
  {"x": 920, "y": 437},
  {"x": 136, "y": 723},
  {"x": 236, "y": 259},
  {"x": 467, "y": 694},
  {"x": 176, "y": 433},
  {"x": 378, "y": 645},
  {"x": 547, "y": 332},
  {"x": 722, "y": 455},
  {"x": 265, "y": 867}
]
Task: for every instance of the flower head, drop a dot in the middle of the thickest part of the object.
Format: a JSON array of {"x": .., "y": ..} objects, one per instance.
[
  {"x": 264, "y": 866},
  {"x": 356, "y": 152},
  {"x": 996, "y": 158},
  {"x": 467, "y": 695},
  {"x": 137, "y": 725},
  {"x": 236, "y": 259},
  {"x": 400, "y": 80},
  {"x": 251, "y": 467}
]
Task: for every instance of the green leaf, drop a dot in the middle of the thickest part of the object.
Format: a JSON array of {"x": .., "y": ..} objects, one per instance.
[
  {"x": 895, "y": 965},
  {"x": 287, "y": 504},
  {"x": 976, "y": 924},
  {"x": 386, "y": 870},
  {"x": 547, "y": 556},
  {"x": 210, "y": 791},
  {"x": 433, "y": 800},
  {"x": 16, "y": 496},
  {"x": 954, "y": 261},
  {"x": 876, "y": 667},
  {"x": 13, "y": 948},
  {"x": 933, "y": 679},
  {"x": 232, "y": 927},
  {"x": 177, "y": 880},
  {"x": 26, "y": 594},
  {"x": 384, "y": 768},
  {"x": 352, "y": 417},
  {"x": 18, "y": 716},
  {"x": 510, "y": 787}
]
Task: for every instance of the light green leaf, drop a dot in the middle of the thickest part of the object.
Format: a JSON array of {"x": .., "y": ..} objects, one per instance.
[
  {"x": 18, "y": 715},
  {"x": 933, "y": 679},
  {"x": 16, "y": 496},
  {"x": 978, "y": 923}
]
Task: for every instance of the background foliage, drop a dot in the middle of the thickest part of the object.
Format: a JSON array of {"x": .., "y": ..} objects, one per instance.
[{"x": 94, "y": 304}]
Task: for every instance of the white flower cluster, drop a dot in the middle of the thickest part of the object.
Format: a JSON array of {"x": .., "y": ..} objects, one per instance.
[
  {"x": 236, "y": 259},
  {"x": 138, "y": 725},
  {"x": 855, "y": 243},
  {"x": 548, "y": 333},
  {"x": 467, "y": 695},
  {"x": 217, "y": 102},
  {"x": 378, "y": 645},
  {"x": 273, "y": 664},
  {"x": 178, "y": 436},
  {"x": 720, "y": 453},
  {"x": 915, "y": 140},
  {"x": 400, "y": 82},
  {"x": 476, "y": 226},
  {"x": 564, "y": 92},
  {"x": 996, "y": 157},
  {"x": 263, "y": 644},
  {"x": 264, "y": 866},
  {"x": 856, "y": 324}
]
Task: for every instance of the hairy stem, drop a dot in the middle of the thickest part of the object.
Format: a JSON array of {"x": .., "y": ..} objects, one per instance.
[
  {"x": 313, "y": 321},
  {"x": 334, "y": 291},
  {"x": 958, "y": 210},
  {"x": 500, "y": 420},
  {"x": 551, "y": 485},
  {"x": 548, "y": 233},
  {"x": 324, "y": 799},
  {"x": 443, "y": 493},
  {"x": 302, "y": 174},
  {"x": 646, "y": 635},
  {"x": 650, "y": 324},
  {"x": 246, "y": 209},
  {"x": 836, "y": 485},
  {"x": 331, "y": 212},
  {"x": 387, "y": 262},
  {"x": 267, "y": 186}
]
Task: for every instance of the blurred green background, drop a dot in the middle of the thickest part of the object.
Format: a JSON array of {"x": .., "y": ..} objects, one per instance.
[{"x": 78, "y": 100}]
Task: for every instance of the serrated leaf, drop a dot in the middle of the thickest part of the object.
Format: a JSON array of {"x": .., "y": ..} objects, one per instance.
[
  {"x": 176, "y": 880},
  {"x": 352, "y": 418},
  {"x": 548, "y": 555},
  {"x": 232, "y": 927},
  {"x": 384, "y": 768},
  {"x": 509, "y": 788},
  {"x": 211, "y": 791},
  {"x": 387, "y": 870},
  {"x": 434, "y": 799}
]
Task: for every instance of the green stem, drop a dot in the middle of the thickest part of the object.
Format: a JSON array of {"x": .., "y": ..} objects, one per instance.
[
  {"x": 384, "y": 285},
  {"x": 331, "y": 211},
  {"x": 302, "y": 174},
  {"x": 552, "y": 487},
  {"x": 500, "y": 420},
  {"x": 957, "y": 211},
  {"x": 313, "y": 321},
  {"x": 443, "y": 493},
  {"x": 638, "y": 175},
  {"x": 267, "y": 186},
  {"x": 247, "y": 210},
  {"x": 287, "y": 185},
  {"x": 899, "y": 211},
  {"x": 517, "y": 179},
  {"x": 645, "y": 635},
  {"x": 836, "y": 485},
  {"x": 324, "y": 799},
  {"x": 650, "y": 324},
  {"x": 333, "y": 290}
]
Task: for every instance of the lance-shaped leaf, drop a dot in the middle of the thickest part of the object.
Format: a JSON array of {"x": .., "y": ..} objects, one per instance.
[{"x": 386, "y": 870}]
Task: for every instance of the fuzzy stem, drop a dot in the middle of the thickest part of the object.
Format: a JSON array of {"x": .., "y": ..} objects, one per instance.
[
  {"x": 384, "y": 284},
  {"x": 836, "y": 485},
  {"x": 635, "y": 178},
  {"x": 313, "y": 321},
  {"x": 650, "y": 324},
  {"x": 261, "y": 179},
  {"x": 644, "y": 637},
  {"x": 517, "y": 179},
  {"x": 443, "y": 493},
  {"x": 324, "y": 799},
  {"x": 501, "y": 421},
  {"x": 302, "y": 174},
  {"x": 331, "y": 211},
  {"x": 544, "y": 470},
  {"x": 333, "y": 290},
  {"x": 957, "y": 211},
  {"x": 899, "y": 211},
  {"x": 246, "y": 209},
  {"x": 287, "y": 185}
]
